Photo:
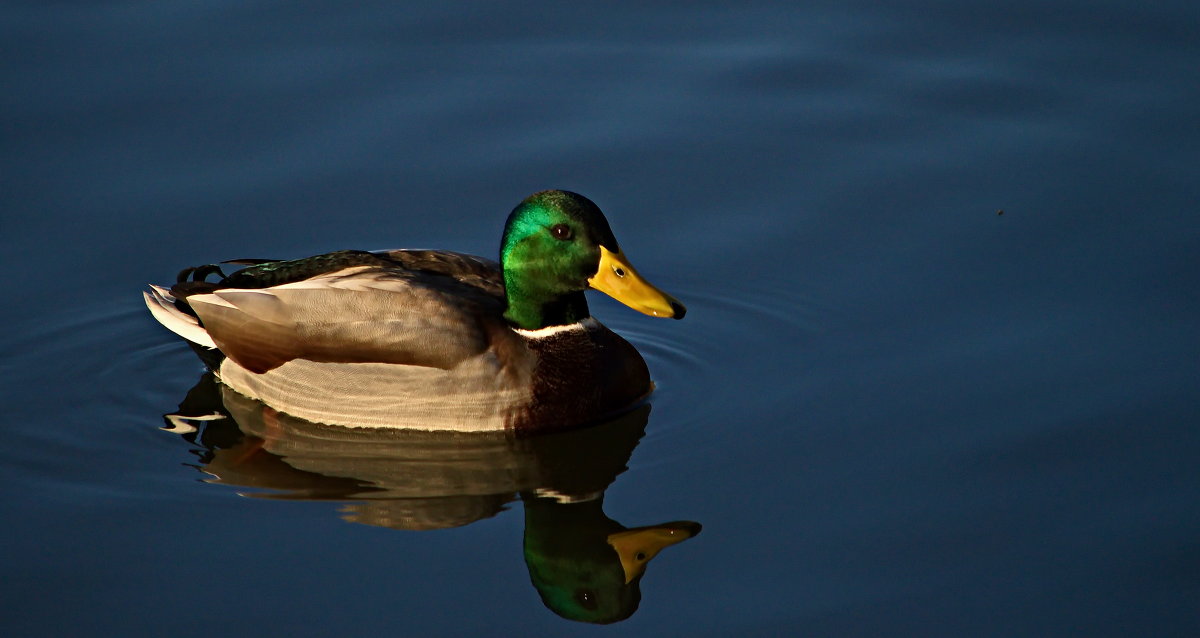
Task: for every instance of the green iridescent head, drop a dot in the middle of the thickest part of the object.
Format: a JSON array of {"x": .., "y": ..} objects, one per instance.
[{"x": 556, "y": 245}]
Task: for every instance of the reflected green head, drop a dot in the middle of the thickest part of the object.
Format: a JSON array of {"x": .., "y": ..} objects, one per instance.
[{"x": 578, "y": 574}]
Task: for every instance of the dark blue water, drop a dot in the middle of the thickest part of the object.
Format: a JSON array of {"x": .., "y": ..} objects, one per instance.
[{"x": 895, "y": 410}]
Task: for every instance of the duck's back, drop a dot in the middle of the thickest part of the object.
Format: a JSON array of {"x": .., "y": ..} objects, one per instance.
[{"x": 419, "y": 308}]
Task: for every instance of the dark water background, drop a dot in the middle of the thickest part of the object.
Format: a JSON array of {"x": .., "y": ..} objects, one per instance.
[{"x": 894, "y": 410}]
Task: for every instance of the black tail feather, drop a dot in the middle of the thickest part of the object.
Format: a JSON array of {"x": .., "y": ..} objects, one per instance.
[{"x": 200, "y": 273}]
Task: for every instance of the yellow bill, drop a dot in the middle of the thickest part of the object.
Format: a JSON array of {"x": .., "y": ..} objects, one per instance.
[
  {"x": 637, "y": 546},
  {"x": 616, "y": 278}
]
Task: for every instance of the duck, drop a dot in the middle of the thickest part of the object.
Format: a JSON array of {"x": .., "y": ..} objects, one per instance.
[{"x": 429, "y": 339}]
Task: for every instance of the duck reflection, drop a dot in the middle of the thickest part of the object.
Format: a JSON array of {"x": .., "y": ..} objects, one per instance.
[{"x": 585, "y": 565}]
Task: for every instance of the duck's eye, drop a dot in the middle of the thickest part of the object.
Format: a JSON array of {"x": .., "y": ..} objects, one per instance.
[
  {"x": 586, "y": 598},
  {"x": 562, "y": 231}
]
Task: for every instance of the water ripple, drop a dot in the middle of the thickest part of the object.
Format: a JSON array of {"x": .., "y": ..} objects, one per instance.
[{"x": 754, "y": 331}]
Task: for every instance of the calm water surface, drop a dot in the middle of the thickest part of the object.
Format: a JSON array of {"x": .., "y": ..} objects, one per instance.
[{"x": 894, "y": 410}]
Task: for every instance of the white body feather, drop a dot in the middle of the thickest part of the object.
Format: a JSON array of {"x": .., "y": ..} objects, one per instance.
[{"x": 162, "y": 306}]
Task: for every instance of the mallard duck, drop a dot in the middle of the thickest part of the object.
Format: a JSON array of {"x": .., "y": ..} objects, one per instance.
[{"x": 426, "y": 339}]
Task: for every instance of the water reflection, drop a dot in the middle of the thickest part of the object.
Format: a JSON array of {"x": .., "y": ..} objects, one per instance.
[{"x": 584, "y": 565}]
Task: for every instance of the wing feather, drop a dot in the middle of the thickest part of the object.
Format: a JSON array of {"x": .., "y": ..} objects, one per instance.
[{"x": 361, "y": 314}]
